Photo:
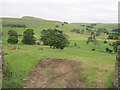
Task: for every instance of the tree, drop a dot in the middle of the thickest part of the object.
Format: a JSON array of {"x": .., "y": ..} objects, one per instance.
[
  {"x": 97, "y": 34},
  {"x": 65, "y": 22},
  {"x": 115, "y": 45},
  {"x": 77, "y": 31},
  {"x": 113, "y": 37},
  {"x": 93, "y": 24},
  {"x": 28, "y": 37},
  {"x": 54, "y": 38},
  {"x": 57, "y": 26},
  {"x": 92, "y": 33},
  {"x": 12, "y": 40},
  {"x": 82, "y": 31},
  {"x": 110, "y": 37},
  {"x": 92, "y": 39},
  {"x": 105, "y": 41},
  {"x": 75, "y": 44},
  {"x": 12, "y": 33}
]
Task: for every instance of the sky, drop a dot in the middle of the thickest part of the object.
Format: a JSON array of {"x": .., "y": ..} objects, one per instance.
[{"x": 73, "y": 11}]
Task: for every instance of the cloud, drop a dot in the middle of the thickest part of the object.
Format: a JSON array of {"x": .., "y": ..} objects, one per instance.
[{"x": 63, "y": 10}]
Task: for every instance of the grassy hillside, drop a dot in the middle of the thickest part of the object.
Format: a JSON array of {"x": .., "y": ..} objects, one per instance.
[
  {"x": 39, "y": 24},
  {"x": 98, "y": 66}
]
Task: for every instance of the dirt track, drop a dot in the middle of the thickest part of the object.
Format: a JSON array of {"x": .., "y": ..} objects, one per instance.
[{"x": 55, "y": 73}]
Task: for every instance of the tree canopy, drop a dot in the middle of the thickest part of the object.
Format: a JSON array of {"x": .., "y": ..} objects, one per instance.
[
  {"x": 12, "y": 33},
  {"x": 28, "y": 37},
  {"x": 13, "y": 37},
  {"x": 12, "y": 40},
  {"x": 54, "y": 38},
  {"x": 115, "y": 45}
]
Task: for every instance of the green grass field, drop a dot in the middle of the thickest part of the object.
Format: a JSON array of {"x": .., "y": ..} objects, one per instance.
[{"x": 98, "y": 65}]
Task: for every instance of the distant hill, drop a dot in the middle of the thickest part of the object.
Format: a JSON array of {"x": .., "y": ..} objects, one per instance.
[
  {"x": 31, "y": 22},
  {"x": 34, "y": 22}
]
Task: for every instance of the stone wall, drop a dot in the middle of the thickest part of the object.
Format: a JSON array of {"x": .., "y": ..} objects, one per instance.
[
  {"x": 0, "y": 67},
  {"x": 116, "y": 79}
]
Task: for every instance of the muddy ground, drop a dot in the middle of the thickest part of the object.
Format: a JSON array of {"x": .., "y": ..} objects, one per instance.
[{"x": 55, "y": 73}]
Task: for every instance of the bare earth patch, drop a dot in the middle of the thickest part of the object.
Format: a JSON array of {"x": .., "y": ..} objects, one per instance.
[{"x": 55, "y": 73}]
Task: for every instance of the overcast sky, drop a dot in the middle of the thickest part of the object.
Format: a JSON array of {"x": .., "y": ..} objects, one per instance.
[{"x": 97, "y": 11}]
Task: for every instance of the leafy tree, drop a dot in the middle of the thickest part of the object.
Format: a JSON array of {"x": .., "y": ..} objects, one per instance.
[
  {"x": 97, "y": 34},
  {"x": 28, "y": 37},
  {"x": 78, "y": 31},
  {"x": 89, "y": 39},
  {"x": 116, "y": 37},
  {"x": 93, "y": 24},
  {"x": 54, "y": 38},
  {"x": 12, "y": 33},
  {"x": 82, "y": 25},
  {"x": 113, "y": 37},
  {"x": 12, "y": 40},
  {"x": 92, "y": 39},
  {"x": 92, "y": 33},
  {"x": 65, "y": 22},
  {"x": 14, "y": 25},
  {"x": 57, "y": 26},
  {"x": 75, "y": 44},
  {"x": 110, "y": 37},
  {"x": 115, "y": 45},
  {"x": 75, "y": 30},
  {"x": 105, "y": 41},
  {"x": 82, "y": 31}
]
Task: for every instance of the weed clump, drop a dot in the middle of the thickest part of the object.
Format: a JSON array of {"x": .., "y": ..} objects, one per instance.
[{"x": 8, "y": 77}]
